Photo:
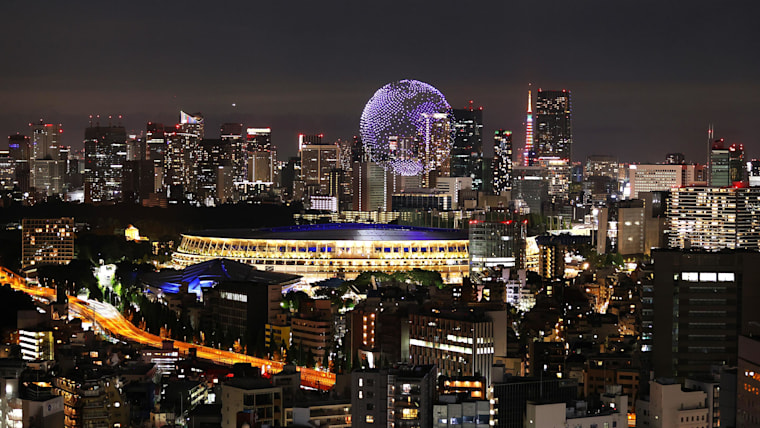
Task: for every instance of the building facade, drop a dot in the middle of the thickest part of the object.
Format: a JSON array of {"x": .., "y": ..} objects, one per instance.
[
  {"x": 105, "y": 153},
  {"x": 714, "y": 218},
  {"x": 467, "y": 150},
  {"x": 47, "y": 241},
  {"x": 502, "y": 161},
  {"x": 702, "y": 301},
  {"x": 554, "y": 124},
  {"x": 461, "y": 345}
]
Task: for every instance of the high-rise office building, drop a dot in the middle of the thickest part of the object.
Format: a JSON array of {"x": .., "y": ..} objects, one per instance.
[
  {"x": 726, "y": 163},
  {"x": 155, "y": 141},
  {"x": 20, "y": 148},
  {"x": 304, "y": 139},
  {"x": 105, "y": 154},
  {"x": 45, "y": 139},
  {"x": 136, "y": 147},
  {"x": 554, "y": 124},
  {"x": 702, "y": 302},
  {"x": 658, "y": 177},
  {"x": 183, "y": 154},
  {"x": 192, "y": 124},
  {"x": 20, "y": 151},
  {"x": 232, "y": 135},
  {"x": 317, "y": 160},
  {"x": 529, "y": 184},
  {"x": 502, "y": 161},
  {"x": 7, "y": 171},
  {"x": 372, "y": 187},
  {"x": 714, "y": 218},
  {"x": 558, "y": 176},
  {"x": 467, "y": 151},
  {"x": 138, "y": 180},
  {"x": 48, "y": 176},
  {"x": 262, "y": 155},
  {"x": 213, "y": 154}
]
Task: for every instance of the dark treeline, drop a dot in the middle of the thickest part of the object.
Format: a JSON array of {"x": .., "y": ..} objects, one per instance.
[{"x": 155, "y": 222}]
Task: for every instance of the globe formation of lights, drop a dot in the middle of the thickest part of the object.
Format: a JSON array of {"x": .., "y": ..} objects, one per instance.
[{"x": 406, "y": 127}]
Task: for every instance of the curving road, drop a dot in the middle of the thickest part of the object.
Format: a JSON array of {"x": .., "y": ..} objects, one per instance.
[{"x": 110, "y": 320}]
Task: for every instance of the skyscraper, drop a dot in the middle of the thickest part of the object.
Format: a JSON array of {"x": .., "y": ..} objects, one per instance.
[
  {"x": 155, "y": 140},
  {"x": 232, "y": 135},
  {"x": 554, "y": 124},
  {"x": 262, "y": 154},
  {"x": 105, "y": 153},
  {"x": 45, "y": 139},
  {"x": 184, "y": 152},
  {"x": 317, "y": 160},
  {"x": 20, "y": 151},
  {"x": 702, "y": 302},
  {"x": 502, "y": 161},
  {"x": 467, "y": 151},
  {"x": 726, "y": 163}
]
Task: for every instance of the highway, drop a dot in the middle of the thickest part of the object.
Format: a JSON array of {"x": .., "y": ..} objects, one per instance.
[{"x": 109, "y": 319}]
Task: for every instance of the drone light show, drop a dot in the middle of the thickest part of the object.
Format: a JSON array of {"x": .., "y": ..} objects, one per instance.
[{"x": 406, "y": 127}]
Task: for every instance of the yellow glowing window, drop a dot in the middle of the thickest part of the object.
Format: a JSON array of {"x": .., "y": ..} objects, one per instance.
[{"x": 409, "y": 413}]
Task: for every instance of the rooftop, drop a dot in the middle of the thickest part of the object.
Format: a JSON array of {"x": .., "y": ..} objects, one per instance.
[
  {"x": 339, "y": 232},
  {"x": 212, "y": 272}
]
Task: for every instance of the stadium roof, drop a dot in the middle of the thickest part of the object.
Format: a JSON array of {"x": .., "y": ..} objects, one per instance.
[
  {"x": 339, "y": 232},
  {"x": 211, "y": 273}
]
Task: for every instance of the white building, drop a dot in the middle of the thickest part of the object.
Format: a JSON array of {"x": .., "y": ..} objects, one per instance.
[
  {"x": 559, "y": 415},
  {"x": 672, "y": 406},
  {"x": 655, "y": 177}
]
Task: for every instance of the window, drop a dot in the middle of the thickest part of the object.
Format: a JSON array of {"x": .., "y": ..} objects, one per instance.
[
  {"x": 409, "y": 413},
  {"x": 708, "y": 277},
  {"x": 725, "y": 276},
  {"x": 369, "y": 419}
]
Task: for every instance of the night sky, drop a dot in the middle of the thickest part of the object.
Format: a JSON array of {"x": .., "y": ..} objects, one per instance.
[{"x": 646, "y": 77}]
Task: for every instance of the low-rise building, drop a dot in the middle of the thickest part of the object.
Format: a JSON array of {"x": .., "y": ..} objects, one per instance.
[
  {"x": 671, "y": 405},
  {"x": 251, "y": 396}
]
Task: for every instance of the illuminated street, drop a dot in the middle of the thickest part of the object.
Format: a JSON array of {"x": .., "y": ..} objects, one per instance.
[{"x": 108, "y": 319}]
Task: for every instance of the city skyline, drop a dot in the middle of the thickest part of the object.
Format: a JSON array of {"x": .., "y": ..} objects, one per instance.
[{"x": 646, "y": 81}]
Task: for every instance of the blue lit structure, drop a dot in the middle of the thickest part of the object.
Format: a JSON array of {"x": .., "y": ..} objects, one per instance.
[
  {"x": 210, "y": 273},
  {"x": 406, "y": 127}
]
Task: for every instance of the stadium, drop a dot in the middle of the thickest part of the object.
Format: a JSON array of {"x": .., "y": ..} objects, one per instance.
[{"x": 344, "y": 250}]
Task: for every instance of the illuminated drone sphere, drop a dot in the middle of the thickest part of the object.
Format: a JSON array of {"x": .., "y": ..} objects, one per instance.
[{"x": 406, "y": 127}]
